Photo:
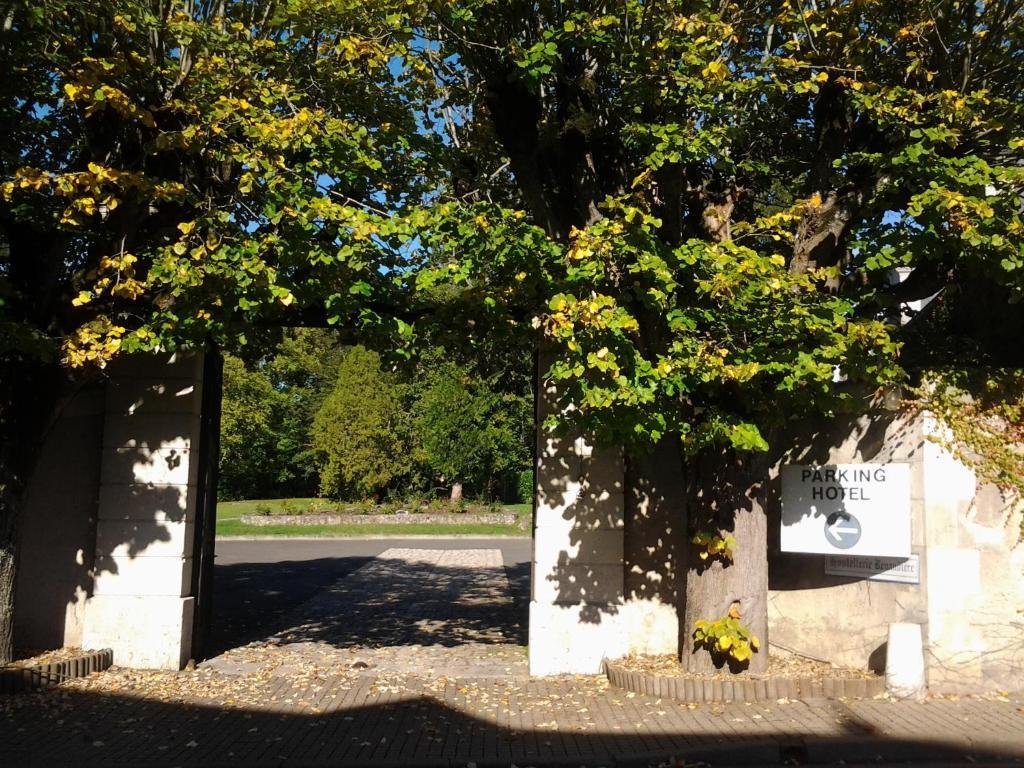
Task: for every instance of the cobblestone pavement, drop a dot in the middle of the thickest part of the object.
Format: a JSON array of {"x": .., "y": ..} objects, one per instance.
[
  {"x": 422, "y": 611},
  {"x": 418, "y": 688}
]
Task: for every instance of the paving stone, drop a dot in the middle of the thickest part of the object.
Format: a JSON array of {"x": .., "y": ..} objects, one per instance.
[{"x": 442, "y": 683}]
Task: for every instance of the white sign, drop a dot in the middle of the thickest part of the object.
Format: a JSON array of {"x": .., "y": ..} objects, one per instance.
[
  {"x": 853, "y": 509},
  {"x": 904, "y": 571}
]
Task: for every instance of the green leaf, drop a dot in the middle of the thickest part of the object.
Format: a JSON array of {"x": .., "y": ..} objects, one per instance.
[{"x": 747, "y": 437}]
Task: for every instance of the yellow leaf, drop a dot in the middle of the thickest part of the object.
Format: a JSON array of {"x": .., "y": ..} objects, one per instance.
[
  {"x": 717, "y": 70},
  {"x": 734, "y": 611},
  {"x": 186, "y": 227},
  {"x": 641, "y": 178}
]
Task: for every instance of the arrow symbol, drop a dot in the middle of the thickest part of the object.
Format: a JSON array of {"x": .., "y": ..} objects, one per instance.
[
  {"x": 837, "y": 528},
  {"x": 843, "y": 530}
]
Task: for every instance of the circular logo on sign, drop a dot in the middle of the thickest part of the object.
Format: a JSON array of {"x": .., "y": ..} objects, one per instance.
[{"x": 842, "y": 530}]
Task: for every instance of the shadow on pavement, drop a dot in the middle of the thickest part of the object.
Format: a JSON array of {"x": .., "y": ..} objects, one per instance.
[
  {"x": 252, "y": 600},
  {"x": 75, "y": 728},
  {"x": 385, "y": 604}
]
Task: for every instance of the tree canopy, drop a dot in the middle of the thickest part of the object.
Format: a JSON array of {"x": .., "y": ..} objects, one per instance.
[
  {"x": 712, "y": 214},
  {"x": 267, "y": 416},
  {"x": 701, "y": 204},
  {"x": 470, "y": 433},
  {"x": 313, "y": 417}
]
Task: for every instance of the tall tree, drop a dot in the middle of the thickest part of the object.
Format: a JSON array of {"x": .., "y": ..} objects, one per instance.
[
  {"x": 698, "y": 206},
  {"x": 177, "y": 171},
  {"x": 267, "y": 416},
  {"x": 468, "y": 432},
  {"x": 718, "y": 194},
  {"x": 362, "y": 432}
]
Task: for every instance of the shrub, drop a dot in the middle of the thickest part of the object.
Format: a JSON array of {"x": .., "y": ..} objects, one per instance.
[
  {"x": 469, "y": 432},
  {"x": 360, "y": 432},
  {"x": 524, "y": 486}
]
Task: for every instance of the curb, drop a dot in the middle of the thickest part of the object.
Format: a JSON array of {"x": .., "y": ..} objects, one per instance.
[
  {"x": 19, "y": 679},
  {"x": 723, "y": 691}
]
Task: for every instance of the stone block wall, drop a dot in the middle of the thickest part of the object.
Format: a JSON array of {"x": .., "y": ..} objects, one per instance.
[
  {"x": 58, "y": 527},
  {"x": 604, "y": 565},
  {"x": 975, "y": 576},
  {"x": 141, "y": 605},
  {"x": 970, "y": 599}
]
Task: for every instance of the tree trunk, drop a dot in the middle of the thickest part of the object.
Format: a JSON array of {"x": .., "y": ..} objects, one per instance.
[
  {"x": 727, "y": 496},
  {"x": 8, "y": 562},
  {"x": 456, "y": 491}
]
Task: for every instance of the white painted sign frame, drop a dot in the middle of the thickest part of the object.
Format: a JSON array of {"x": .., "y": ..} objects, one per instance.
[{"x": 846, "y": 509}]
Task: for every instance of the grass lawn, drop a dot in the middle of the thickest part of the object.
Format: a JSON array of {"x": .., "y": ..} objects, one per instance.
[{"x": 229, "y": 524}]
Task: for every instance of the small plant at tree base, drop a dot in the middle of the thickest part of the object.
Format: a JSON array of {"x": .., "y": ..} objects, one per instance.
[
  {"x": 714, "y": 545},
  {"x": 727, "y": 638}
]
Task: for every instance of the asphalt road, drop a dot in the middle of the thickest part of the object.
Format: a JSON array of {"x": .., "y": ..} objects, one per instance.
[{"x": 256, "y": 583}]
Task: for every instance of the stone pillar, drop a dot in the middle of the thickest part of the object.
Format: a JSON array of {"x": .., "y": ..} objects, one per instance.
[
  {"x": 140, "y": 605},
  {"x": 975, "y": 561},
  {"x": 655, "y": 541},
  {"x": 577, "y": 584}
]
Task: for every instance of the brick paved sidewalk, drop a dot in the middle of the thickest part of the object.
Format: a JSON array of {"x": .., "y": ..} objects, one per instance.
[
  {"x": 360, "y": 720},
  {"x": 416, "y": 659}
]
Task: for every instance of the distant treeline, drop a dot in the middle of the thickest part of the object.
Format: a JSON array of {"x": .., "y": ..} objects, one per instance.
[{"x": 316, "y": 418}]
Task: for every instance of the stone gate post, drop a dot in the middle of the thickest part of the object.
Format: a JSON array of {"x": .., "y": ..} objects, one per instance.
[{"x": 141, "y": 605}]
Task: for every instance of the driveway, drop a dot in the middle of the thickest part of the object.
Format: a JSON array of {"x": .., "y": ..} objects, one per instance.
[{"x": 259, "y": 585}]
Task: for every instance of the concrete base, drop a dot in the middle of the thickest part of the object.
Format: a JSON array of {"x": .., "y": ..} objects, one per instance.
[
  {"x": 650, "y": 627},
  {"x": 904, "y": 661},
  {"x": 574, "y": 638},
  {"x": 144, "y": 632}
]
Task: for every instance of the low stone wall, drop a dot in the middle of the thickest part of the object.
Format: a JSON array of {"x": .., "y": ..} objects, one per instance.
[
  {"x": 768, "y": 689},
  {"x": 496, "y": 518}
]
